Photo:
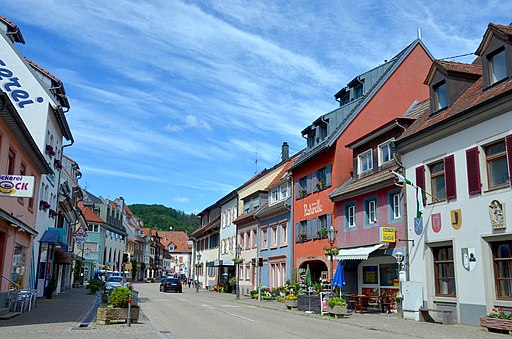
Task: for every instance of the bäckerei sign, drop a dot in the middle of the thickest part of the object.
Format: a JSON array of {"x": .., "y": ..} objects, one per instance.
[{"x": 16, "y": 186}]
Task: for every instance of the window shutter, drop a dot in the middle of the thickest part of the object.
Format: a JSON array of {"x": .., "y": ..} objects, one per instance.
[
  {"x": 309, "y": 230},
  {"x": 297, "y": 232},
  {"x": 315, "y": 227},
  {"x": 508, "y": 142},
  {"x": 308, "y": 184},
  {"x": 328, "y": 180},
  {"x": 329, "y": 221},
  {"x": 314, "y": 181},
  {"x": 297, "y": 188},
  {"x": 420, "y": 179},
  {"x": 473, "y": 169},
  {"x": 449, "y": 177}
]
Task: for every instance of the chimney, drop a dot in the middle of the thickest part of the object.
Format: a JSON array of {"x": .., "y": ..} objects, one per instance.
[
  {"x": 285, "y": 151},
  {"x": 121, "y": 203}
]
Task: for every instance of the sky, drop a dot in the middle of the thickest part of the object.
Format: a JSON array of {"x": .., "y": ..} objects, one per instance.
[{"x": 180, "y": 102}]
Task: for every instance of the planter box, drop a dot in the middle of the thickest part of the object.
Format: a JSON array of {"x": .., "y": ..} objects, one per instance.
[
  {"x": 337, "y": 310},
  {"x": 496, "y": 325},
  {"x": 291, "y": 304},
  {"x": 106, "y": 314}
]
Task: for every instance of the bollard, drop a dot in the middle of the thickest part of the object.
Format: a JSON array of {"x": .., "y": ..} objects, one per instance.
[
  {"x": 129, "y": 318},
  {"x": 197, "y": 286}
]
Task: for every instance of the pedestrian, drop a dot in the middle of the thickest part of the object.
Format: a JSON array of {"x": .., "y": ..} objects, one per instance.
[{"x": 189, "y": 282}]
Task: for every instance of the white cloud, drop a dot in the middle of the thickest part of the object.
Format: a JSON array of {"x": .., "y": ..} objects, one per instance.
[{"x": 181, "y": 200}]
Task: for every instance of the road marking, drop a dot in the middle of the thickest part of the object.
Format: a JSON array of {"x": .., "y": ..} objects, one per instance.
[{"x": 228, "y": 313}]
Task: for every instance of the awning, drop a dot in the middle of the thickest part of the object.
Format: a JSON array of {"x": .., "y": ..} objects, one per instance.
[
  {"x": 358, "y": 253},
  {"x": 62, "y": 257},
  {"x": 55, "y": 236},
  {"x": 17, "y": 223}
]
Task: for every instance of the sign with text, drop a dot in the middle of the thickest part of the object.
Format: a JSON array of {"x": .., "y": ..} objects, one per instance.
[
  {"x": 387, "y": 234},
  {"x": 16, "y": 186}
]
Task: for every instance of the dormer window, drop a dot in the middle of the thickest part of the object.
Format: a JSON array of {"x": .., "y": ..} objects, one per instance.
[
  {"x": 358, "y": 91},
  {"x": 440, "y": 97},
  {"x": 311, "y": 138},
  {"x": 497, "y": 66},
  {"x": 344, "y": 98},
  {"x": 365, "y": 162},
  {"x": 386, "y": 152}
]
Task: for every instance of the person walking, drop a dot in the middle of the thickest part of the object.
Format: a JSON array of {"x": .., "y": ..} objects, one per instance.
[{"x": 189, "y": 282}]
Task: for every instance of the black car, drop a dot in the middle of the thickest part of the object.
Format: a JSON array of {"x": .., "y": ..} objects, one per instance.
[{"x": 171, "y": 284}]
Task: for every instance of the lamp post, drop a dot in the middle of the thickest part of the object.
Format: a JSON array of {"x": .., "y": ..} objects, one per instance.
[
  {"x": 331, "y": 236},
  {"x": 238, "y": 251}
]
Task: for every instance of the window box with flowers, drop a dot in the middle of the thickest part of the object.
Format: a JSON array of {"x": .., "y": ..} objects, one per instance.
[
  {"x": 303, "y": 193},
  {"x": 57, "y": 164},
  {"x": 332, "y": 251},
  {"x": 44, "y": 205},
  {"x": 321, "y": 185},
  {"x": 498, "y": 320},
  {"x": 322, "y": 233},
  {"x": 302, "y": 237},
  {"x": 53, "y": 213},
  {"x": 50, "y": 151}
]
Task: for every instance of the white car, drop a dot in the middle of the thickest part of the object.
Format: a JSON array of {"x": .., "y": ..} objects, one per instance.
[{"x": 113, "y": 282}]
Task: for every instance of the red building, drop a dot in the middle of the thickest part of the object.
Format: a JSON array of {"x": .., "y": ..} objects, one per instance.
[{"x": 368, "y": 101}]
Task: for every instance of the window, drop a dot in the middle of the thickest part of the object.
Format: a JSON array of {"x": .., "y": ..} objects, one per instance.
[
  {"x": 274, "y": 195},
  {"x": 273, "y": 236},
  {"x": 497, "y": 166},
  {"x": 502, "y": 259},
  {"x": 440, "y": 97},
  {"x": 437, "y": 182},
  {"x": 351, "y": 215},
  {"x": 365, "y": 162},
  {"x": 322, "y": 178},
  {"x": 444, "y": 271},
  {"x": 344, "y": 98},
  {"x": 386, "y": 152},
  {"x": 497, "y": 66},
  {"x": 302, "y": 231},
  {"x": 395, "y": 205},
  {"x": 358, "y": 91},
  {"x": 284, "y": 191},
  {"x": 264, "y": 240},
  {"x": 10, "y": 161},
  {"x": 284, "y": 234},
  {"x": 371, "y": 211},
  {"x": 303, "y": 187},
  {"x": 324, "y": 221}
]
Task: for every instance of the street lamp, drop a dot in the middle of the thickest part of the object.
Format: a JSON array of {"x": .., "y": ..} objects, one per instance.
[
  {"x": 238, "y": 251},
  {"x": 331, "y": 236},
  {"x": 197, "y": 274}
]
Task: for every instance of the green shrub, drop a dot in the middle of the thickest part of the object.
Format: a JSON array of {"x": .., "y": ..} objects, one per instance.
[
  {"x": 254, "y": 294},
  {"x": 336, "y": 302},
  {"x": 94, "y": 285},
  {"x": 119, "y": 297}
]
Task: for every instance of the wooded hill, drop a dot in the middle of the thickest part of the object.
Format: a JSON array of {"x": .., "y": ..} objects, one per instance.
[{"x": 161, "y": 217}]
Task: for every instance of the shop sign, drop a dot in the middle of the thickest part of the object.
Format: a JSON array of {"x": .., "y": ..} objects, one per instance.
[
  {"x": 313, "y": 208},
  {"x": 18, "y": 186},
  {"x": 387, "y": 234}
]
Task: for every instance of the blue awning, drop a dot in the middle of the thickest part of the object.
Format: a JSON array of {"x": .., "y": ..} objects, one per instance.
[{"x": 54, "y": 236}]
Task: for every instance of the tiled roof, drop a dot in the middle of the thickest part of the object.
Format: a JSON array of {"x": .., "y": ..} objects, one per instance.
[
  {"x": 12, "y": 28},
  {"x": 493, "y": 28},
  {"x": 418, "y": 110},
  {"x": 178, "y": 238},
  {"x": 450, "y": 67},
  {"x": 282, "y": 173},
  {"x": 371, "y": 182},
  {"x": 88, "y": 214},
  {"x": 211, "y": 225},
  {"x": 42, "y": 70},
  {"x": 244, "y": 217}
]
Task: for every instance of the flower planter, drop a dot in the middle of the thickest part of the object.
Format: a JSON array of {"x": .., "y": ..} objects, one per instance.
[
  {"x": 496, "y": 324},
  {"x": 291, "y": 304},
  {"x": 107, "y": 314},
  {"x": 337, "y": 310}
]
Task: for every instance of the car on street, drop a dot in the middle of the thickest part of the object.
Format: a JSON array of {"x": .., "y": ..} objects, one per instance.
[
  {"x": 171, "y": 284},
  {"x": 113, "y": 282}
]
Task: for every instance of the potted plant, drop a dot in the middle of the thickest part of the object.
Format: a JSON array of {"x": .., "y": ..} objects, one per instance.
[
  {"x": 94, "y": 286},
  {"x": 337, "y": 306},
  {"x": 322, "y": 233},
  {"x": 497, "y": 321},
  {"x": 290, "y": 301},
  {"x": 51, "y": 287},
  {"x": 302, "y": 236},
  {"x": 232, "y": 283},
  {"x": 302, "y": 193},
  {"x": 117, "y": 308}
]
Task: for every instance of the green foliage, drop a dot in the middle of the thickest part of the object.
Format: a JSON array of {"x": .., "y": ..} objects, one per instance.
[
  {"x": 161, "y": 217},
  {"x": 290, "y": 297},
  {"x": 77, "y": 270},
  {"x": 254, "y": 294},
  {"x": 119, "y": 297},
  {"x": 134, "y": 269},
  {"x": 336, "y": 301},
  {"x": 94, "y": 285},
  {"x": 232, "y": 281}
]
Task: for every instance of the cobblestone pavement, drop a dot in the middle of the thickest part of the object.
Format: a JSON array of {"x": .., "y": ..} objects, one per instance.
[{"x": 60, "y": 317}]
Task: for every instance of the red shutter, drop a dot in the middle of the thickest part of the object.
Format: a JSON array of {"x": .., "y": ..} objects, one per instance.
[
  {"x": 420, "y": 180},
  {"x": 473, "y": 169},
  {"x": 449, "y": 177},
  {"x": 508, "y": 142}
]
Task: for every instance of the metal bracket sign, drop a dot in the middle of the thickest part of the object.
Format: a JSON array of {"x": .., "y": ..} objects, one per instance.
[{"x": 79, "y": 236}]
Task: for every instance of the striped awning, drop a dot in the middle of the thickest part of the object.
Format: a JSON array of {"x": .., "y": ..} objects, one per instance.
[{"x": 358, "y": 253}]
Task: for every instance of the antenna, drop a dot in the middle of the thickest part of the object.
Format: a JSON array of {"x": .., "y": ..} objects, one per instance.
[
  {"x": 419, "y": 33},
  {"x": 256, "y": 163}
]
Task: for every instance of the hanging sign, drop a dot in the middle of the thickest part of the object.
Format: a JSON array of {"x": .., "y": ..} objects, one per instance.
[{"x": 18, "y": 186}]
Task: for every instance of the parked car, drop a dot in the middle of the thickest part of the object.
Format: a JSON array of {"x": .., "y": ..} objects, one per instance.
[
  {"x": 113, "y": 282},
  {"x": 171, "y": 284}
]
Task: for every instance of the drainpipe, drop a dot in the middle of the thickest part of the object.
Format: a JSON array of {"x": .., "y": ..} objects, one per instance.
[
  {"x": 402, "y": 167},
  {"x": 258, "y": 250}
]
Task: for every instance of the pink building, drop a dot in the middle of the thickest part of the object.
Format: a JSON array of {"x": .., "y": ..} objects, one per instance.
[{"x": 21, "y": 165}]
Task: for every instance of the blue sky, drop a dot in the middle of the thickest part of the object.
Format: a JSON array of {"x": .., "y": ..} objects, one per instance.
[{"x": 173, "y": 101}]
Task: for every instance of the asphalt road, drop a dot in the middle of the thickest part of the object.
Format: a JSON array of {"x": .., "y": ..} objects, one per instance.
[{"x": 198, "y": 315}]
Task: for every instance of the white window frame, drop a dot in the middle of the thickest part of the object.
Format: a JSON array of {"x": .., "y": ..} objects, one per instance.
[
  {"x": 395, "y": 205},
  {"x": 264, "y": 238},
  {"x": 365, "y": 157},
  {"x": 283, "y": 234},
  {"x": 351, "y": 216},
  {"x": 493, "y": 61},
  {"x": 388, "y": 144},
  {"x": 372, "y": 211}
]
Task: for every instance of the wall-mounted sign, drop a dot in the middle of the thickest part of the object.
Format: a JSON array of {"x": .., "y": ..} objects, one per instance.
[
  {"x": 313, "y": 208},
  {"x": 387, "y": 234},
  {"x": 468, "y": 258},
  {"x": 436, "y": 222},
  {"x": 497, "y": 214},
  {"x": 456, "y": 219},
  {"x": 16, "y": 186},
  {"x": 11, "y": 83}
]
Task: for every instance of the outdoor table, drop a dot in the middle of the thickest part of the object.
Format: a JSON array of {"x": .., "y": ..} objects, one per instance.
[{"x": 364, "y": 300}]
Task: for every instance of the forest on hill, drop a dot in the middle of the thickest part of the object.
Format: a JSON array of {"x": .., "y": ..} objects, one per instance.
[{"x": 161, "y": 217}]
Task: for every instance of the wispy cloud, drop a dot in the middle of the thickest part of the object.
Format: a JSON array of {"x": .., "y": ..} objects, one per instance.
[{"x": 181, "y": 200}]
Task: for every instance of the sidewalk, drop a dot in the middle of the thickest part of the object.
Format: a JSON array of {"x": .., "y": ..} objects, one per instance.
[{"x": 390, "y": 323}]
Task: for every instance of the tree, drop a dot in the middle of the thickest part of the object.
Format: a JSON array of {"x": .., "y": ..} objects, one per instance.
[{"x": 134, "y": 269}]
